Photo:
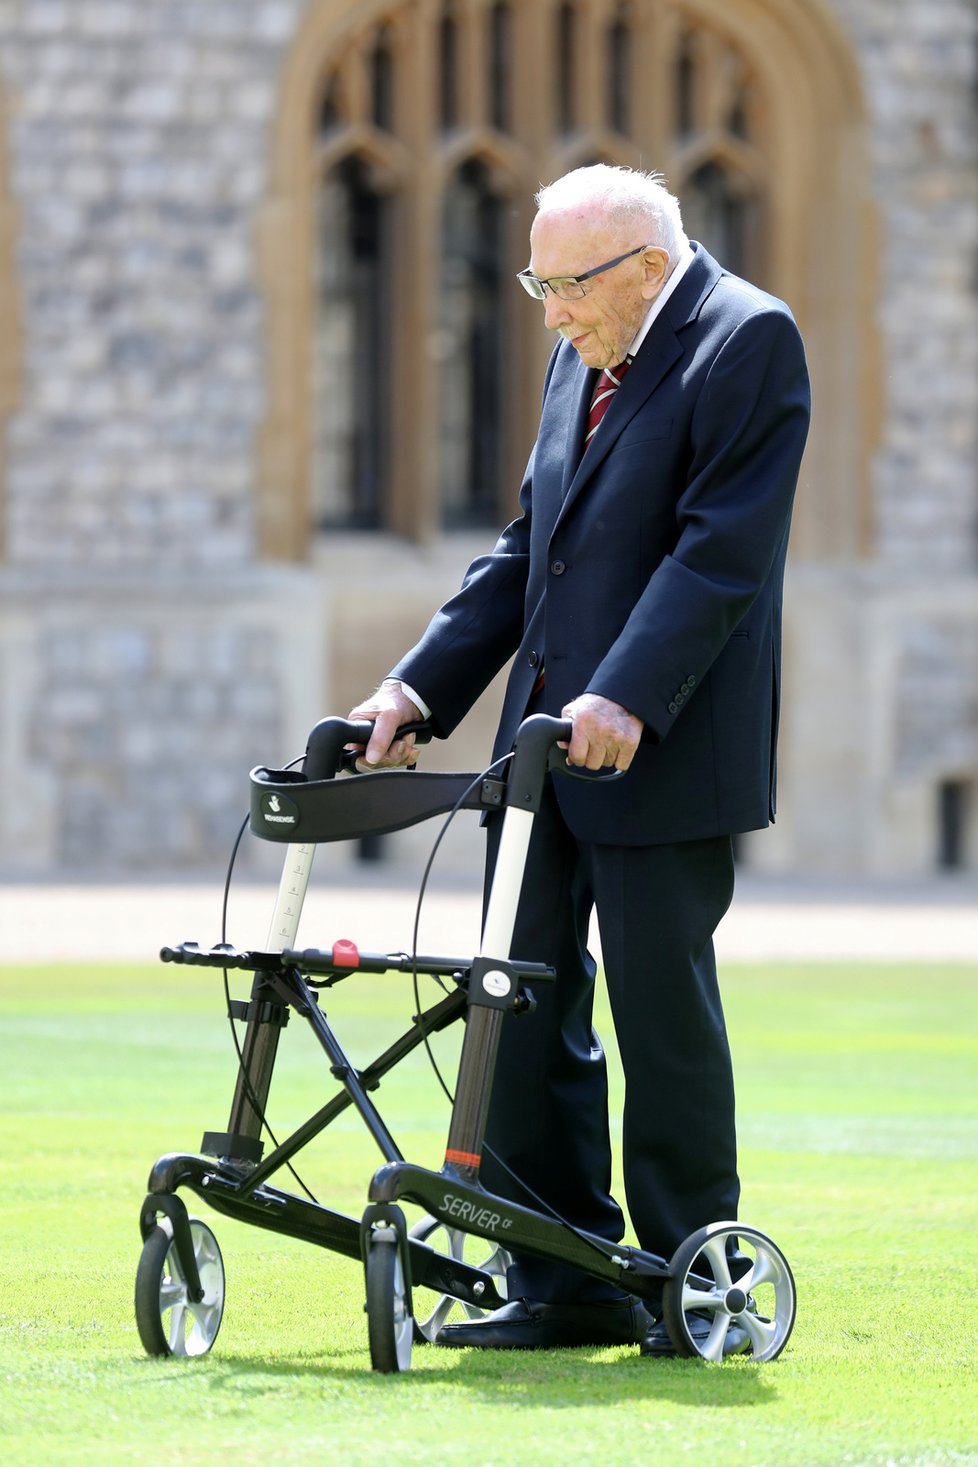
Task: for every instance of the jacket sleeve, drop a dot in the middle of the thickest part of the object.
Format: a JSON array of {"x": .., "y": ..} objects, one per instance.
[
  {"x": 748, "y": 431},
  {"x": 470, "y": 638}
]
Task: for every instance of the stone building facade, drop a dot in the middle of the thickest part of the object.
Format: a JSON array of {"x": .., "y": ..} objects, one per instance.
[{"x": 256, "y": 267}]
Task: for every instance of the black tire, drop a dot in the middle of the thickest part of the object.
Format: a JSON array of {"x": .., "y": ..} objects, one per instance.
[
  {"x": 169, "y": 1323},
  {"x": 738, "y": 1281},
  {"x": 390, "y": 1328}
]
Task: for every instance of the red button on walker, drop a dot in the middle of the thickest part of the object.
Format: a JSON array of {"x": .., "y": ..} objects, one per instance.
[{"x": 346, "y": 954}]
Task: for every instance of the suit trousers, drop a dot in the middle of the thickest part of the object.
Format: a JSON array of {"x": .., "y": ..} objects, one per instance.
[{"x": 547, "y": 1138}]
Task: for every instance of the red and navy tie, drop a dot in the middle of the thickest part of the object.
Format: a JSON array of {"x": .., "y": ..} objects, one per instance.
[{"x": 607, "y": 385}]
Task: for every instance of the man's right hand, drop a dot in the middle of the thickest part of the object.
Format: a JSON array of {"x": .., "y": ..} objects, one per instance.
[{"x": 388, "y": 710}]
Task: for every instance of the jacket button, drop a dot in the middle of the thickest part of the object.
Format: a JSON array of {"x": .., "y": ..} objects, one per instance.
[
  {"x": 692, "y": 680},
  {"x": 557, "y": 567},
  {"x": 673, "y": 707},
  {"x": 684, "y": 689},
  {"x": 533, "y": 659},
  {"x": 679, "y": 700}
]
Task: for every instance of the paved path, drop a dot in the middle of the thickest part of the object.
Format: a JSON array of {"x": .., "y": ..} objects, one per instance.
[{"x": 770, "y": 919}]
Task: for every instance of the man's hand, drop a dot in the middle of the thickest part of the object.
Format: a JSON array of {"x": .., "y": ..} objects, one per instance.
[
  {"x": 605, "y": 734},
  {"x": 388, "y": 710}
]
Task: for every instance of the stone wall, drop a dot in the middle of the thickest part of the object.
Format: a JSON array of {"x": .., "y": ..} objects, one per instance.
[
  {"x": 151, "y": 660},
  {"x": 133, "y": 710},
  {"x": 148, "y": 658},
  {"x": 917, "y": 603},
  {"x": 138, "y": 145},
  {"x": 920, "y": 67}
]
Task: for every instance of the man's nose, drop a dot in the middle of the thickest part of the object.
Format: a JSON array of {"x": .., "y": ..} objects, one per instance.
[{"x": 555, "y": 312}]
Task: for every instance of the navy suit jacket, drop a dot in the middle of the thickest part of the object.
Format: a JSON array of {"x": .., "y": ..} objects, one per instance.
[{"x": 650, "y": 570}]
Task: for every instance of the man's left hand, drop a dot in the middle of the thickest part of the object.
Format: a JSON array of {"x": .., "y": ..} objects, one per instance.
[{"x": 604, "y": 735}]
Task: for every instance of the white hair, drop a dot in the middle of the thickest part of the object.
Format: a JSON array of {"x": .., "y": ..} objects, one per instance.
[{"x": 625, "y": 196}]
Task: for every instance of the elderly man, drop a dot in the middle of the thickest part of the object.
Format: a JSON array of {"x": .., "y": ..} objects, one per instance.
[{"x": 640, "y": 590}]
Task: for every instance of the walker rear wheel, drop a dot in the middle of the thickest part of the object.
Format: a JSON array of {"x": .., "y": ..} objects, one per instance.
[
  {"x": 168, "y": 1320},
  {"x": 730, "y": 1291},
  {"x": 390, "y": 1328},
  {"x": 453, "y": 1242}
]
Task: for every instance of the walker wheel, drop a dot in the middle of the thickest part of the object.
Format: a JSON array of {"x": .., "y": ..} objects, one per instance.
[
  {"x": 730, "y": 1292},
  {"x": 168, "y": 1320},
  {"x": 390, "y": 1328},
  {"x": 453, "y": 1241}
]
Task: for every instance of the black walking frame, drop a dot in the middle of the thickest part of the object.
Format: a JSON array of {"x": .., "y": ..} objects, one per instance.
[{"x": 727, "y": 1273}]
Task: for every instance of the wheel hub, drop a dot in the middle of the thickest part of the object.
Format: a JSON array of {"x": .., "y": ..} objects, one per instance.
[{"x": 735, "y": 1301}]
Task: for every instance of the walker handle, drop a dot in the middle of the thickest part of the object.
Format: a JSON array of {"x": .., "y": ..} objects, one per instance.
[
  {"x": 536, "y": 753},
  {"x": 328, "y": 740}
]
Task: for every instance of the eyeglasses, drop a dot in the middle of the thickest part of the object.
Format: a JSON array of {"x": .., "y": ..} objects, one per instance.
[{"x": 569, "y": 287}]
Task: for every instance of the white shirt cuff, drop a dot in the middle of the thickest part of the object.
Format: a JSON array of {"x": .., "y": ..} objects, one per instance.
[{"x": 420, "y": 703}]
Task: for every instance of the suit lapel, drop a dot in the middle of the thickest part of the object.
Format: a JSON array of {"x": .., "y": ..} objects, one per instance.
[
  {"x": 562, "y": 427},
  {"x": 644, "y": 376},
  {"x": 584, "y": 380},
  {"x": 659, "y": 352}
]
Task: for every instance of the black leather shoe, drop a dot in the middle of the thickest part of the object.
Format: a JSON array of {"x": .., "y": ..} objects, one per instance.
[
  {"x": 658, "y": 1341},
  {"x": 525, "y": 1324}
]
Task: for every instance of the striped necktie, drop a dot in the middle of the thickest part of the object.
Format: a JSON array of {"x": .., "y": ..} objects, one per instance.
[{"x": 607, "y": 385}]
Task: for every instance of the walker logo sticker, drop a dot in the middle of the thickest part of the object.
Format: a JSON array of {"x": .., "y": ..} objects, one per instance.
[
  {"x": 477, "y": 1217},
  {"x": 279, "y": 810},
  {"x": 496, "y": 982}
]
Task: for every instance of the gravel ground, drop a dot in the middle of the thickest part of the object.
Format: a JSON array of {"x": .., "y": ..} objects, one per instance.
[{"x": 781, "y": 918}]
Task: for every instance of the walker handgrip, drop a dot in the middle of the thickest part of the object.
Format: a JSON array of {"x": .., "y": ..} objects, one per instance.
[
  {"x": 324, "y": 750},
  {"x": 422, "y": 735},
  {"x": 534, "y": 743}
]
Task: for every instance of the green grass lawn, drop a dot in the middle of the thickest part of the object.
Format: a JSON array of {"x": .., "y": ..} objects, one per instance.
[{"x": 858, "y": 1113}]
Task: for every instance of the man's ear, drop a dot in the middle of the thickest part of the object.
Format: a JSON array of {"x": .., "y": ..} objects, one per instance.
[{"x": 655, "y": 271}]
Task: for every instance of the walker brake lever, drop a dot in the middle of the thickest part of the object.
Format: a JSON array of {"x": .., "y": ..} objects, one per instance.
[{"x": 557, "y": 762}]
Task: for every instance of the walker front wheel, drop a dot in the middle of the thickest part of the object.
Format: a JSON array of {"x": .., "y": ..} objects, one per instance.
[
  {"x": 390, "y": 1328},
  {"x": 168, "y": 1320},
  {"x": 453, "y": 1242},
  {"x": 730, "y": 1291}
]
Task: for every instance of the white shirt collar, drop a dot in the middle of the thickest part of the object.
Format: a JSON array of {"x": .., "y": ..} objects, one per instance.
[{"x": 679, "y": 270}]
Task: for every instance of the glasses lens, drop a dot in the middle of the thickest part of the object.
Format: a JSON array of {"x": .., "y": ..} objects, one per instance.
[{"x": 531, "y": 285}]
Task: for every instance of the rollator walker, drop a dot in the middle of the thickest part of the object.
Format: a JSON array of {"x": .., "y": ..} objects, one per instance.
[{"x": 728, "y": 1271}]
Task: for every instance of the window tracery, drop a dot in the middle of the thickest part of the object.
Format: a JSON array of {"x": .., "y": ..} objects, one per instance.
[{"x": 437, "y": 121}]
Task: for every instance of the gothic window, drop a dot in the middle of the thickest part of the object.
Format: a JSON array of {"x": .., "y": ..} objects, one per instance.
[
  {"x": 500, "y": 62},
  {"x": 739, "y": 117},
  {"x": 409, "y": 345},
  {"x": 382, "y": 81},
  {"x": 685, "y": 82},
  {"x": 618, "y": 49},
  {"x": 351, "y": 377},
  {"x": 566, "y": 50},
  {"x": 330, "y": 111},
  {"x": 719, "y": 210},
  {"x": 953, "y": 798},
  {"x": 471, "y": 417},
  {"x": 721, "y": 181},
  {"x": 448, "y": 109}
]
